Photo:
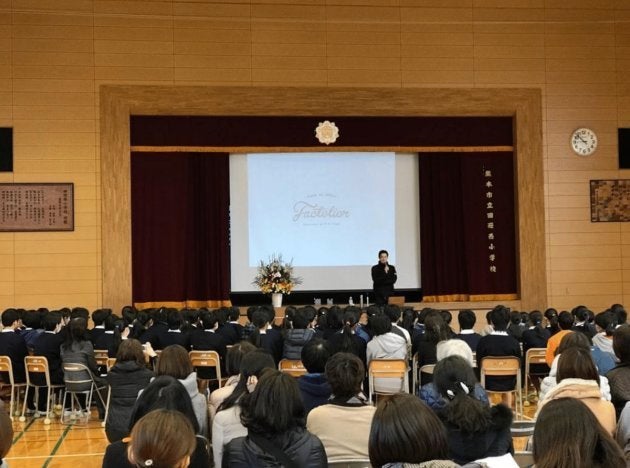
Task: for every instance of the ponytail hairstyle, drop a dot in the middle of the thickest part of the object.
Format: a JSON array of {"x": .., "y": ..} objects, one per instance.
[
  {"x": 289, "y": 316},
  {"x": 455, "y": 381},
  {"x": 350, "y": 320},
  {"x": 408, "y": 318},
  {"x": 552, "y": 317},
  {"x": 260, "y": 319},
  {"x": 607, "y": 321},
  {"x": 535, "y": 318},
  {"x": 322, "y": 318},
  {"x": 435, "y": 328},
  {"x": 252, "y": 365}
]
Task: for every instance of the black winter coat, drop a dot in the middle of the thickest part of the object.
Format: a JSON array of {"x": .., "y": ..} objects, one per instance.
[
  {"x": 295, "y": 340},
  {"x": 126, "y": 379},
  {"x": 305, "y": 449}
]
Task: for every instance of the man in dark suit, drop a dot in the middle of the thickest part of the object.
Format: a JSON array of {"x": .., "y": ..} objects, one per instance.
[
  {"x": 13, "y": 345},
  {"x": 383, "y": 277}
]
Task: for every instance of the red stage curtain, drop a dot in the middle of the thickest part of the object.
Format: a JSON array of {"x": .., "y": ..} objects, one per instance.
[
  {"x": 467, "y": 215},
  {"x": 180, "y": 229}
]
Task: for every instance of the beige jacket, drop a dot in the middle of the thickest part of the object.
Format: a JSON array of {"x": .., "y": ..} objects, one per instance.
[
  {"x": 589, "y": 393},
  {"x": 344, "y": 430}
]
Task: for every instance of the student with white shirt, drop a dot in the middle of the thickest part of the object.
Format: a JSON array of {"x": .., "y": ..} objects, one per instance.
[
  {"x": 467, "y": 319},
  {"x": 394, "y": 313}
]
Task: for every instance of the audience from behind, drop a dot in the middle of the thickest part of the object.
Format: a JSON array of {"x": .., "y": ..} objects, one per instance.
[
  {"x": 568, "y": 435},
  {"x": 276, "y": 434},
  {"x": 48, "y": 345},
  {"x": 77, "y": 349},
  {"x": 6, "y": 435},
  {"x": 385, "y": 345},
  {"x": 570, "y": 340},
  {"x": 13, "y": 345},
  {"x": 448, "y": 318},
  {"x": 174, "y": 335},
  {"x": 405, "y": 432},
  {"x": 551, "y": 316},
  {"x": 297, "y": 336},
  {"x": 619, "y": 377},
  {"x": 162, "y": 439},
  {"x": 536, "y": 336},
  {"x": 98, "y": 318},
  {"x": 565, "y": 323},
  {"x": 140, "y": 326},
  {"x": 516, "y": 327},
  {"x": 578, "y": 378},
  {"x": 499, "y": 343},
  {"x": 620, "y": 312},
  {"x": 227, "y": 424},
  {"x": 232, "y": 368},
  {"x": 425, "y": 345},
  {"x": 408, "y": 320},
  {"x": 467, "y": 319},
  {"x": 159, "y": 327},
  {"x": 231, "y": 330},
  {"x": 605, "y": 324},
  {"x": 429, "y": 392},
  {"x": 163, "y": 393},
  {"x": 623, "y": 432},
  {"x": 418, "y": 328},
  {"x": 174, "y": 361},
  {"x": 129, "y": 314},
  {"x": 265, "y": 336},
  {"x": 475, "y": 430},
  {"x": 348, "y": 340},
  {"x": 126, "y": 378},
  {"x": 348, "y": 436},
  {"x": 205, "y": 337},
  {"x": 331, "y": 322},
  {"x": 488, "y": 328},
  {"x": 314, "y": 386}
]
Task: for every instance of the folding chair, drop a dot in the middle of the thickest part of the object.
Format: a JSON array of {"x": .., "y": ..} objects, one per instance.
[
  {"x": 533, "y": 356},
  {"x": 426, "y": 369},
  {"x": 350, "y": 463},
  {"x": 206, "y": 360},
  {"x": 392, "y": 370},
  {"x": 79, "y": 381},
  {"x": 293, "y": 367},
  {"x": 6, "y": 370},
  {"x": 101, "y": 356},
  {"x": 504, "y": 366},
  {"x": 38, "y": 376},
  {"x": 415, "y": 378},
  {"x": 524, "y": 459}
]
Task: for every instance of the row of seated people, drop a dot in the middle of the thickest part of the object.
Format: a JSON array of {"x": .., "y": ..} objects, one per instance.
[{"x": 262, "y": 418}]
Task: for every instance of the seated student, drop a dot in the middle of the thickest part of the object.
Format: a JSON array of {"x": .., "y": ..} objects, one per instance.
[
  {"x": 265, "y": 336},
  {"x": 551, "y": 315},
  {"x": 331, "y": 321},
  {"x": 227, "y": 424},
  {"x": 475, "y": 430},
  {"x": 582, "y": 324},
  {"x": 233, "y": 360},
  {"x": 393, "y": 312},
  {"x": 297, "y": 336},
  {"x": 536, "y": 336},
  {"x": 314, "y": 386},
  {"x": 162, "y": 438},
  {"x": 174, "y": 335},
  {"x": 435, "y": 331},
  {"x": 467, "y": 319},
  {"x": 499, "y": 343},
  {"x": 429, "y": 393},
  {"x": 163, "y": 393},
  {"x": 515, "y": 327},
  {"x": 619, "y": 377},
  {"x": 126, "y": 378},
  {"x": 98, "y": 318},
  {"x": 31, "y": 320},
  {"x": 231, "y": 330},
  {"x": 174, "y": 361},
  {"x": 13, "y": 345},
  {"x": 579, "y": 340},
  {"x": 605, "y": 324},
  {"x": 620, "y": 313},
  {"x": 116, "y": 330},
  {"x": 48, "y": 344},
  {"x": 405, "y": 432},
  {"x": 418, "y": 328},
  {"x": 578, "y": 378},
  {"x": 206, "y": 338},
  {"x": 276, "y": 435},
  {"x": 385, "y": 345},
  {"x": 348, "y": 437},
  {"x": 348, "y": 339},
  {"x": 6, "y": 434},
  {"x": 140, "y": 326},
  {"x": 448, "y": 318},
  {"x": 623, "y": 432},
  {"x": 159, "y": 327},
  {"x": 567, "y": 434}
]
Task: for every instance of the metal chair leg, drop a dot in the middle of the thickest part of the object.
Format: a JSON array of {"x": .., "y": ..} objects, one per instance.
[{"x": 23, "y": 416}]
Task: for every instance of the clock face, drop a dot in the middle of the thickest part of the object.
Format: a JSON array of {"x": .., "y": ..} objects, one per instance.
[{"x": 584, "y": 141}]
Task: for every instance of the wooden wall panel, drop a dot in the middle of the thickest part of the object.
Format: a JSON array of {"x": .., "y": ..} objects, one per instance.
[{"x": 55, "y": 54}]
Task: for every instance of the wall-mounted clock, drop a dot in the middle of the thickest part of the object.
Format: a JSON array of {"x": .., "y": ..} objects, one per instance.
[{"x": 584, "y": 141}]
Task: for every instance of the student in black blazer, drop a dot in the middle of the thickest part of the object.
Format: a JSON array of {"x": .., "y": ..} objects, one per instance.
[
  {"x": 231, "y": 330},
  {"x": 174, "y": 335},
  {"x": 48, "y": 345},
  {"x": 98, "y": 317},
  {"x": 13, "y": 345},
  {"x": 116, "y": 330},
  {"x": 207, "y": 339},
  {"x": 265, "y": 336}
]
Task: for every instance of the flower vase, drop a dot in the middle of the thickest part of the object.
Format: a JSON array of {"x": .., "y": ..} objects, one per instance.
[{"x": 276, "y": 299}]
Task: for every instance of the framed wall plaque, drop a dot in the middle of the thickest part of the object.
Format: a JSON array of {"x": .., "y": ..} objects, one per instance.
[
  {"x": 36, "y": 207},
  {"x": 610, "y": 201}
]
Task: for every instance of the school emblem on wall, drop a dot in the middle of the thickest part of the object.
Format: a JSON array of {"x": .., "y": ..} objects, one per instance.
[{"x": 327, "y": 132}]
